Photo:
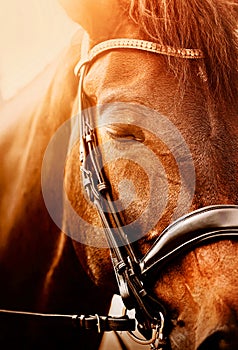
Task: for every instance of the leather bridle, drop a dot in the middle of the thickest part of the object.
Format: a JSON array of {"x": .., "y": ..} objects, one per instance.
[
  {"x": 134, "y": 276},
  {"x": 202, "y": 226}
]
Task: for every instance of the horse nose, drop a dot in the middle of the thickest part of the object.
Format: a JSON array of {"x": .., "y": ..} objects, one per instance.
[{"x": 222, "y": 339}]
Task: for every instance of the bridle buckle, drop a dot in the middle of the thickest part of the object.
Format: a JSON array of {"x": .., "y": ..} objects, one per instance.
[{"x": 157, "y": 341}]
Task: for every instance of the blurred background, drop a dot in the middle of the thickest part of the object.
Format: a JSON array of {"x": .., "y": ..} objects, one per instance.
[{"x": 32, "y": 34}]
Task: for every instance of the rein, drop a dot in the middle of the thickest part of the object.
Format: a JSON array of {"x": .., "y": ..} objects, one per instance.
[
  {"x": 202, "y": 226},
  {"x": 78, "y": 322}
]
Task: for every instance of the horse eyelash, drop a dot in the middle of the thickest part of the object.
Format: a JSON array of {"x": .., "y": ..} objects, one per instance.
[
  {"x": 124, "y": 138},
  {"x": 121, "y": 134}
]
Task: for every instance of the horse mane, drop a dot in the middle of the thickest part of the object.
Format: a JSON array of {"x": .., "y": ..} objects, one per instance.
[{"x": 209, "y": 25}]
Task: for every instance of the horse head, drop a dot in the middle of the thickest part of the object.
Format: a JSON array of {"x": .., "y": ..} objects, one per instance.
[{"x": 166, "y": 132}]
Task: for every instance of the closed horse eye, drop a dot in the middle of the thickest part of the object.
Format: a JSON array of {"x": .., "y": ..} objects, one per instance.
[{"x": 125, "y": 133}]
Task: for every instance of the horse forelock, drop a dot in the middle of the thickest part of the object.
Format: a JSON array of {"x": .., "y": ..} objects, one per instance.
[{"x": 209, "y": 25}]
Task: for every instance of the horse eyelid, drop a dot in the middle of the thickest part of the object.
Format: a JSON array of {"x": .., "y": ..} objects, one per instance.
[{"x": 124, "y": 135}]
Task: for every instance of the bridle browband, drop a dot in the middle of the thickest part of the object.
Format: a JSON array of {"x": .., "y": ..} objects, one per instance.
[
  {"x": 206, "y": 225},
  {"x": 136, "y": 44}
]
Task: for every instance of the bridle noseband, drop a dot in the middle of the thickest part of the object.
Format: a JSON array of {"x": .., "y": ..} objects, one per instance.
[{"x": 205, "y": 225}]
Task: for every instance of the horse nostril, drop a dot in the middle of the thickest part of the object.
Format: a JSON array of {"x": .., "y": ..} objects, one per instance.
[{"x": 221, "y": 340}]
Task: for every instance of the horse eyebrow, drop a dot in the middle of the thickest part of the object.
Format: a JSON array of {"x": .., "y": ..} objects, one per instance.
[{"x": 121, "y": 112}]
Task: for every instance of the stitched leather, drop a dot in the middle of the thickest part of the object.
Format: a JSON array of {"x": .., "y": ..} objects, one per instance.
[{"x": 198, "y": 227}]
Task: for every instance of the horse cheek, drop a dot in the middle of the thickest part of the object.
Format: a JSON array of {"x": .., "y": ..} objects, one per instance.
[
  {"x": 198, "y": 297},
  {"x": 89, "y": 245}
]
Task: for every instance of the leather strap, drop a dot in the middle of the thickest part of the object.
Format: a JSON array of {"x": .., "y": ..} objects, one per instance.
[
  {"x": 202, "y": 226},
  {"x": 104, "y": 323},
  {"x": 142, "y": 45},
  {"x": 78, "y": 322}
]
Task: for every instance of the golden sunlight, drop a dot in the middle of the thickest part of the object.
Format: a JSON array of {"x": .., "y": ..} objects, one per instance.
[{"x": 33, "y": 32}]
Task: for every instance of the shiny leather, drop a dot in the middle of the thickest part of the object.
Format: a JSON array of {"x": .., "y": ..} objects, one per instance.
[{"x": 202, "y": 226}]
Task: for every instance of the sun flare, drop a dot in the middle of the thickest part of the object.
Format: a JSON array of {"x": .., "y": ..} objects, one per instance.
[{"x": 32, "y": 33}]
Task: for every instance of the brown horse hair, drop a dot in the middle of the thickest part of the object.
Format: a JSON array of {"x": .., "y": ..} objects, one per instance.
[{"x": 209, "y": 25}]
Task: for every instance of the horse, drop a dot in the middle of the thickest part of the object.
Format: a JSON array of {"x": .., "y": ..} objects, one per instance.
[{"x": 163, "y": 112}]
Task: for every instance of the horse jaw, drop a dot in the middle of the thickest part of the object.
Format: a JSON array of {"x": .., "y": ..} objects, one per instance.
[
  {"x": 99, "y": 18},
  {"x": 199, "y": 299}
]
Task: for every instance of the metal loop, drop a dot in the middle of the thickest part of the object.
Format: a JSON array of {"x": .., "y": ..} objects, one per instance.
[
  {"x": 102, "y": 186},
  {"x": 143, "y": 341},
  {"x": 156, "y": 340}
]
